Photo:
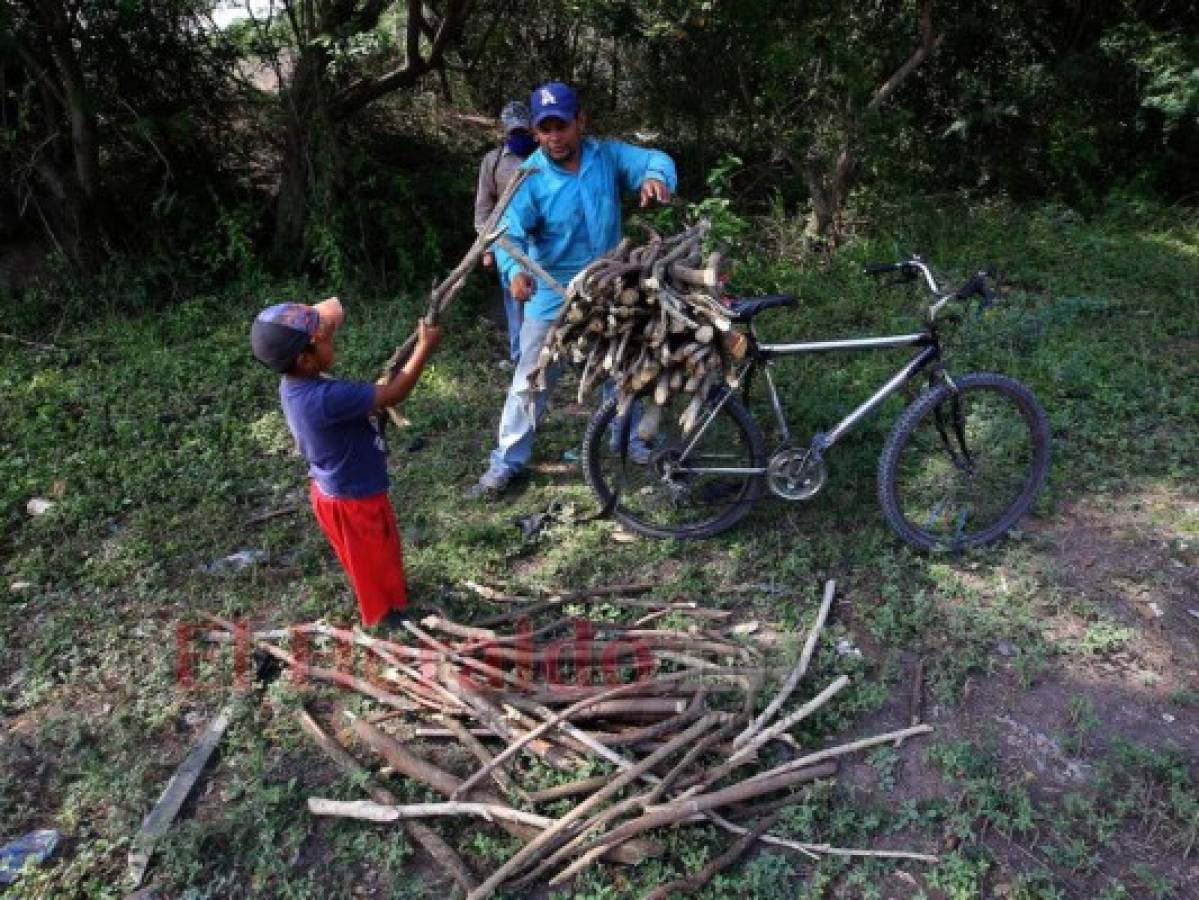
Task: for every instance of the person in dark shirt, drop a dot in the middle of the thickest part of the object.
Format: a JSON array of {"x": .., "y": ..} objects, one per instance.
[
  {"x": 335, "y": 431},
  {"x": 496, "y": 170}
]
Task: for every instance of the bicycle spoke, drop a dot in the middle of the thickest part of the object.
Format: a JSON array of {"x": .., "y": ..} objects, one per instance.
[
  {"x": 682, "y": 486},
  {"x": 963, "y": 466}
]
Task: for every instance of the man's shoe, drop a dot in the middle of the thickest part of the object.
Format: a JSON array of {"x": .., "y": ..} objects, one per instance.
[
  {"x": 639, "y": 453},
  {"x": 488, "y": 487}
]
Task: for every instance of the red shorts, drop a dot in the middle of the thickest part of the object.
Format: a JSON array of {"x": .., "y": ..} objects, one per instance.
[{"x": 364, "y": 535}]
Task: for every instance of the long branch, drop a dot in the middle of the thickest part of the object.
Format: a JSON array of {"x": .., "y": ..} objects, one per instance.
[
  {"x": 797, "y": 673},
  {"x": 434, "y": 844},
  {"x": 371, "y": 811}
]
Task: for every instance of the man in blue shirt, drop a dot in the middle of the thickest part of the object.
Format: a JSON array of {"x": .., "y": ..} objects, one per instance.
[{"x": 563, "y": 217}]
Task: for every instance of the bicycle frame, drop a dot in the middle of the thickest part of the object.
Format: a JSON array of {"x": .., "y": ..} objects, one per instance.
[
  {"x": 763, "y": 354},
  {"x": 823, "y": 440}
]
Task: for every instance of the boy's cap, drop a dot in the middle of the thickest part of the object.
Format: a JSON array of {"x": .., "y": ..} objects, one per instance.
[
  {"x": 514, "y": 115},
  {"x": 554, "y": 99},
  {"x": 281, "y": 332}
]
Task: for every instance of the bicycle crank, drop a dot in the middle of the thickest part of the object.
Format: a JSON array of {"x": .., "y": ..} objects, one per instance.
[{"x": 796, "y": 474}]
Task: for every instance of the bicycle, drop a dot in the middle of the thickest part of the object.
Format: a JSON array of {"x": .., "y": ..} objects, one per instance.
[{"x": 962, "y": 463}]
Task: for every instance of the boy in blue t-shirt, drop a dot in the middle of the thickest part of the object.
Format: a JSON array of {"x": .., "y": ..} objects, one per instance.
[{"x": 335, "y": 432}]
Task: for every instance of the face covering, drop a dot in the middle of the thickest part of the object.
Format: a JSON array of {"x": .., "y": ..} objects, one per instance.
[{"x": 521, "y": 143}]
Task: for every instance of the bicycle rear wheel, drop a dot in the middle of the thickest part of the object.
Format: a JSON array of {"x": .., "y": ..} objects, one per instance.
[
  {"x": 675, "y": 493},
  {"x": 960, "y": 468}
]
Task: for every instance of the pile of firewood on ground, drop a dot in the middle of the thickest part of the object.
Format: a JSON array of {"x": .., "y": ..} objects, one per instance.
[
  {"x": 675, "y": 713},
  {"x": 647, "y": 317}
]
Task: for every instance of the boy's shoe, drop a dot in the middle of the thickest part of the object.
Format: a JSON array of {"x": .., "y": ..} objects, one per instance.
[
  {"x": 393, "y": 622},
  {"x": 395, "y": 619}
]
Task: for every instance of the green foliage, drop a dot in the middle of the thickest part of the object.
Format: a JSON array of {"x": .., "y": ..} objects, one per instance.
[{"x": 1168, "y": 68}]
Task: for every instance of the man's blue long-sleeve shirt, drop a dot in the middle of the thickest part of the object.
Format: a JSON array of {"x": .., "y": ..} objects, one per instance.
[{"x": 564, "y": 220}]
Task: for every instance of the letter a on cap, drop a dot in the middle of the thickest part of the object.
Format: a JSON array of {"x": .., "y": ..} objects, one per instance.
[{"x": 547, "y": 97}]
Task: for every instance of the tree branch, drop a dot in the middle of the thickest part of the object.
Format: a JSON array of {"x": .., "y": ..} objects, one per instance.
[
  {"x": 359, "y": 94},
  {"x": 928, "y": 43}
]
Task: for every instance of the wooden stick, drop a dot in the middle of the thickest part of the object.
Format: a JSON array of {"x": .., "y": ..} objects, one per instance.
[
  {"x": 880, "y": 854},
  {"x": 159, "y": 819},
  {"x": 429, "y": 731},
  {"x": 331, "y": 676},
  {"x": 408, "y": 763},
  {"x": 624, "y": 591},
  {"x": 444, "y": 292},
  {"x": 523, "y": 611},
  {"x": 649, "y": 732},
  {"x": 488, "y": 593},
  {"x": 527, "y": 722},
  {"x": 570, "y": 789},
  {"x": 693, "y": 884},
  {"x": 557, "y": 719},
  {"x": 650, "y": 617},
  {"x": 443, "y": 854},
  {"x": 679, "y": 810},
  {"x": 531, "y": 266},
  {"x": 498, "y": 775},
  {"x": 543, "y": 841},
  {"x": 505, "y": 639},
  {"x": 592, "y": 742},
  {"x": 639, "y": 802},
  {"x": 487, "y": 235},
  {"x": 387, "y": 651},
  {"x": 462, "y": 659},
  {"x": 639, "y": 706},
  {"x": 493, "y": 718},
  {"x": 436, "y": 623},
  {"x": 625, "y": 764},
  {"x": 371, "y": 811},
  {"x": 843, "y": 749},
  {"x": 497, "y": 596},
  {"x": 797, "y": 673},
  {"x": 792, "y": 720}
]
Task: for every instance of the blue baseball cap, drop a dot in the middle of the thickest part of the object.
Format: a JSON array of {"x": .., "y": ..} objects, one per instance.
[
  {"x": 554, "y": 99},
  {"x": 281, "y": 332}
]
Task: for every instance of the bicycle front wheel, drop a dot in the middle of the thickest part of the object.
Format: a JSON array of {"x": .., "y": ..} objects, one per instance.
[
  {"x": 962, "y": 466},
  {"x": 676, "y": 483}
]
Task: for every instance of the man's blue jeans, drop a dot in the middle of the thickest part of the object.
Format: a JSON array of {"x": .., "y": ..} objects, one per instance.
[
  {"x": 514, "y": 311},
  {"x": 514, "y": 445}
]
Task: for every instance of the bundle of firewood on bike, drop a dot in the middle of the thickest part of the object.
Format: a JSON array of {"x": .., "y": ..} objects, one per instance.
[{"x": 645, "y": 316}]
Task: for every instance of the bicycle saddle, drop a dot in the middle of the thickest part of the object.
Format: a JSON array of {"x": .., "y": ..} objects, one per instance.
[{"x": 745, "y": 308}]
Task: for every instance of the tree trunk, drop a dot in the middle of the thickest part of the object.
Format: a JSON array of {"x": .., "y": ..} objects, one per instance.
[
  {"x": 829, "y": 189},
  {"x": 313, "y": 110},
  {"x": 76, "y": 184},
  {"x": 308, "y": 137}
]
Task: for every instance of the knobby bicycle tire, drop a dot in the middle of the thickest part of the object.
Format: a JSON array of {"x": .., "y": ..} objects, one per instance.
[
  {"x": 1007, "y": 435},
  {"x": 691, "y": 507}
]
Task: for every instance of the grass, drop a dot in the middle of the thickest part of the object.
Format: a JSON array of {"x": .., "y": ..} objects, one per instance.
[{"x": 158, "y": 438}]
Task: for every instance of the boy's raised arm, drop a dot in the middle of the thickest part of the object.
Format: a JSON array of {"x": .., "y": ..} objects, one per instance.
[{"x": 397, "y": 390}]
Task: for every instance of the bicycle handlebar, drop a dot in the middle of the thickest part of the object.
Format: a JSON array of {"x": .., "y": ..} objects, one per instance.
[{"x": 909, "y": 269}]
